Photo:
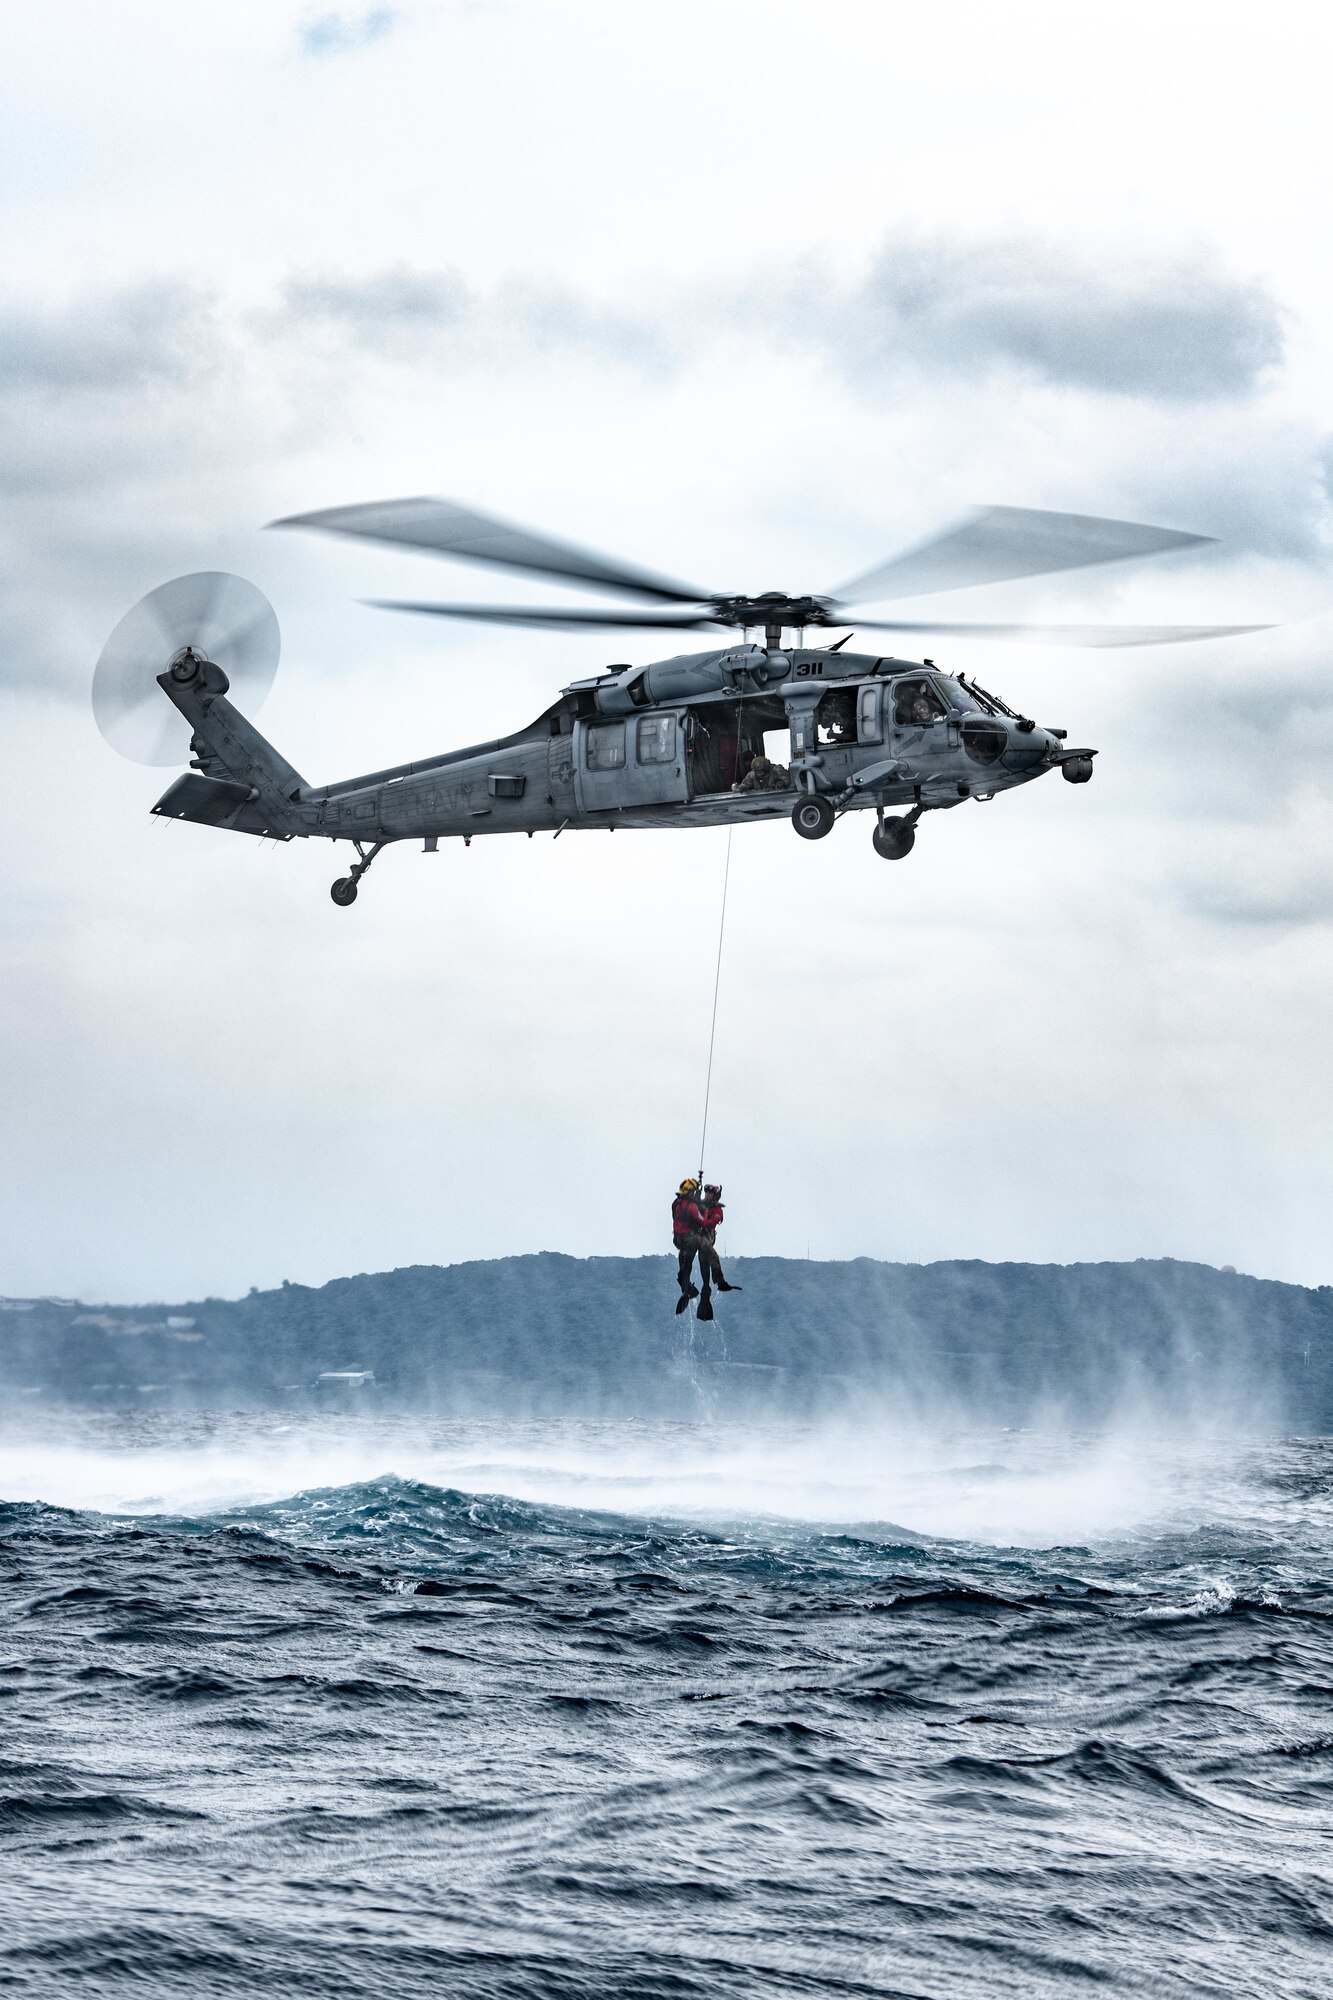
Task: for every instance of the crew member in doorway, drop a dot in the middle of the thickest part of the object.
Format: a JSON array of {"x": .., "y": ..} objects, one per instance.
[
  {"x": 710, "y": 1214},
  {"x": 686, "y": 1228},
  {"x": 763, "y": 776}
]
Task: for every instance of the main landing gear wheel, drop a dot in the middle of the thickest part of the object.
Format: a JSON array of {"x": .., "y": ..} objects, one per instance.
[
  {"x": 343, "y": 891},
  {"x": 812, "y": 817},
  {"x": 894, "y": 839}
]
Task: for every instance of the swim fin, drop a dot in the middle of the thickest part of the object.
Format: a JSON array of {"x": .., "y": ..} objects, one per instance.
[
  {"x": 706, "y": 1306},
  {"x": 682, "y": 1303}
]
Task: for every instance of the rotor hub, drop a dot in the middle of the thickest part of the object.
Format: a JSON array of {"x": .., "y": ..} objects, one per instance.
[
  {"x": 774, "y": 608},
  {"x": 185, "y": 665}
]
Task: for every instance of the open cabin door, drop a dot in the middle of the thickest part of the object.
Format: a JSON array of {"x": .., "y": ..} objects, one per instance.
[{"x": 633, "y": 760}]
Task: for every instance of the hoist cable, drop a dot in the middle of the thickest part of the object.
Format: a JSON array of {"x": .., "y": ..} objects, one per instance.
[{"x": 717, "y": 981}]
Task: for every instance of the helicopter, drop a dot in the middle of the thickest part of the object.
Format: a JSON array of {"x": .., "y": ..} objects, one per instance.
[{"x": 744, "y": 731}]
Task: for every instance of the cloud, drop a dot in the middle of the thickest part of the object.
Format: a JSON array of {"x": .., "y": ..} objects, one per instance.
[
  {"x": 1177, "y": 330},
  {"x": 1269, "y": 874},
  {"x": 134, "y": 422},
  {"x": 162, "y": 331},
  {"x": 398, "y": 310},
  {"x": 336, "y": 33},
  {"x": 139, "y": 420},
  {"x": 410, "y": 315}
]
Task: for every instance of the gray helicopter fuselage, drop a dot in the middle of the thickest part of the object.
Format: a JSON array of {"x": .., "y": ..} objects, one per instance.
[{"x": 652, "y": 746}]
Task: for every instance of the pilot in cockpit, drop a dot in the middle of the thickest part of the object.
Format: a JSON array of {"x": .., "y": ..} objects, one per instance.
[{"x": 917, "y": 704}]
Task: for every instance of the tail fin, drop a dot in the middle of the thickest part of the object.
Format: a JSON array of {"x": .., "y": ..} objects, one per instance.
[{"x": 238, "y": 779}]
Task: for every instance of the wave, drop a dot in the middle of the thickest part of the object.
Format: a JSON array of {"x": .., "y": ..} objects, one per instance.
[
  {"x": 346, "y": 1734},
  {"x": 443, "y": 1544}
]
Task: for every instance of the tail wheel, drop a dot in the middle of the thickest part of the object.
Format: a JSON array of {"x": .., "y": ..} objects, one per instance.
[
  {"x": 894, "y": 839},
  {"x": 343, "y": 891},
  {"x": 812, "y": 817}
]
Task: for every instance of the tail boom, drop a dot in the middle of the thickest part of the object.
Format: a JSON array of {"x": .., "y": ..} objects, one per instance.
[{"x": 238, "y": 779}]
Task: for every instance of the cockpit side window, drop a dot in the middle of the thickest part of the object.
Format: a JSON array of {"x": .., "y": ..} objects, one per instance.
[{"x": 916, "y": 703}]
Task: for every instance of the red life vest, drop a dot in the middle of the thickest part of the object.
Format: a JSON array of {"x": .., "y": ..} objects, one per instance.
[
  {"x": 684, "y": 1216},
  {"x": 710, "y": 1217}
]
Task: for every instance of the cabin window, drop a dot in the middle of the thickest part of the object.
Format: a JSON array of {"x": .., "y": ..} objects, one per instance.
[
  {"x": 606, "y": 746},
  {"x": 835, "y": 719},
  {"x": 657, "y": 739},
  {"x": 867, "y": 719}
]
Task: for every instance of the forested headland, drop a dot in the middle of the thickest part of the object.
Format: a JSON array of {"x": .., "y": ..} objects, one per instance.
[{"x": 547, "y": 1335}]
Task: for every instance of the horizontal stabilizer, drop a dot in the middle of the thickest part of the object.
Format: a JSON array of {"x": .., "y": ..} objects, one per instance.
[{"x": 207, "y": 801}]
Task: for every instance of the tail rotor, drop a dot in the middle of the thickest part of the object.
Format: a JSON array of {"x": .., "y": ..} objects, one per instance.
[{"x": 222, "y": 618}]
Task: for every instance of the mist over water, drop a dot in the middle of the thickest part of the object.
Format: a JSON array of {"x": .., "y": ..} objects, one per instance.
[
  {"x": 947, "y": 1479},
  {"x": 356, "y": 1704}
]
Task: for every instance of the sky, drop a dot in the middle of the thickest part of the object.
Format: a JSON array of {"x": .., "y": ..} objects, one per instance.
[{"x": 756, "y": 294}]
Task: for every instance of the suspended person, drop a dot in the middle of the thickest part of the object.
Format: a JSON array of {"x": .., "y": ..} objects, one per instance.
[
  {"x": 710, "y": 1213},
  {"x": 686, "y": 1236}
]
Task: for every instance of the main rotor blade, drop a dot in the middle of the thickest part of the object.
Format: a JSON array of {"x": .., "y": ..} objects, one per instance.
[
  {"x": 450, "y": 530},
  {"x": 998, "y": 543},
  {"x": 1064, "y": 635},
  {"x": 558, "y": 618}
]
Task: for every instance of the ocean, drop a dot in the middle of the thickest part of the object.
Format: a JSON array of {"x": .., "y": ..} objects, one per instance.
[{"x": 358, "y": 1705}]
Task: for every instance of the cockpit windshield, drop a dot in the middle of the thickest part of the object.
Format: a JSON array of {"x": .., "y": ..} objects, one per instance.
[{"x": 957, "y": 696}]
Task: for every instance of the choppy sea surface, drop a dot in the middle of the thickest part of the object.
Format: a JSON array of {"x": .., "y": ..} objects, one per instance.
[{"x": 360, "y": 1707}]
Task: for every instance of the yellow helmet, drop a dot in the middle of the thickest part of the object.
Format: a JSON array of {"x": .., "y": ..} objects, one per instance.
[{"x": 688, "y": 1187}]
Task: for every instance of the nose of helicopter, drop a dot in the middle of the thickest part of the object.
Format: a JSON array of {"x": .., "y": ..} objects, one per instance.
[
  {"x": 1074, "y": 765},
  {"x": 1029, "y": 745}
]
